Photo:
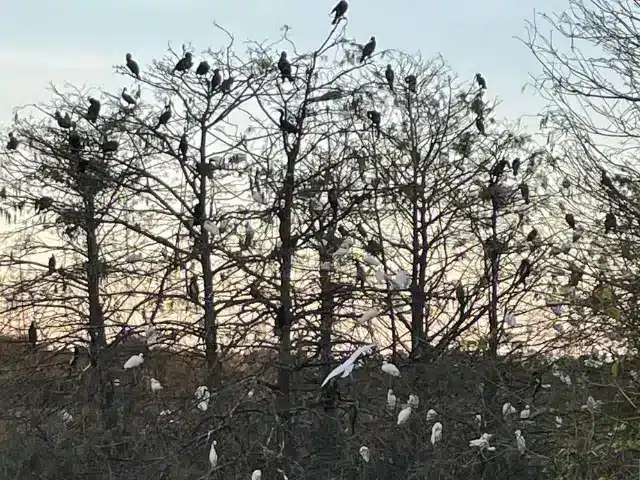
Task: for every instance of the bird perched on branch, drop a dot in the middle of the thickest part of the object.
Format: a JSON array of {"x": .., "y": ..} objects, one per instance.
[
  {"x": 12, "y": 144},
  {"x": 340, "y": 9},
  {"x": 412, "y": 83},
  {"x": 390, "y": 76},
  {"x": 203, "y": 68},
  {"x": 94, "y": 110},
  {"x": 185, "y": 63},
  {"x": 52, "y": 264},
  {"x": 368, "y": 49},
  {"x": 216, "y": 80},
  {"x": 33, "y": 335},
  {"x": 285, "y": 68},
  {"x": 374, "y": 116},
  {"x": 165, "y": 116},
  {"x": 482, "y": 83},
  {"x": 63, "y": 122},
  {"x": 133, "y": 66},
  {"x": 285, "y": 125},
  {"x": 127, "y": 98}
]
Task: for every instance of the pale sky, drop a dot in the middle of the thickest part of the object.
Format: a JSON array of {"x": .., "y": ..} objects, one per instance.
[{"x": 79, "y": 41}]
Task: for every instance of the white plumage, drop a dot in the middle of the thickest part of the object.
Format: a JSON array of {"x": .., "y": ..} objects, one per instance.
[
  {"x": 391, "y": 400},
  {"x": 365, "y": 454},
  {"x": 371, "y": 260},
  {"x": 508, "y": 409},
  {"x": 390, "y": 369},
  {"x": 211, "y": 227},
  {"x": 413, "y": 401},
  {"x": 256, "y": 475},
  {"x": 151, "y": 335},
  {"x": 156, "y": 386},
  {"x": 346, "y": 367},
  {"x": 483, "y": 442},
  {"x": 202, "y": 396},
  {"x": 436, "y": 433},
  {"x": 526, "y": 413},
  {"x": 134, "y": 361},
  {"x": 213, "y": 455},
  {"x": 369, "y": 314},
  {"x": 520, "y": 441},
  {"x": 404, "y": 414},
  {"x": 431, "y": 414}
]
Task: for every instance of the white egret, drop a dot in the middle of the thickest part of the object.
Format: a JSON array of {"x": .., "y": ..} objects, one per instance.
[
  {"x": 369, "y": 314},
  {"x": 202, "y": 396},
  {"x": 256, "y": 475},
  {"x": 558, "y": 422},
  {"x": 391, "y": 400},
  {"x": 401, "y": 280},
  {"x": 213, "y": 455},
  {"x": 151, "y": 335},
  {"x": 211, "y": 227},
  {"x": 66, "y": 416},
  {"x": 371, "y": 260},
  {"x": 134, "y": 361},
  {"x": 483, "y": 442},
  {"x": 522, "y": 444},
  {"x": 390, "y": 369},
  {"x": 431, "y": 414},
  {"x": 156, "y": 386},
  {"x": 591, "y": 405},
  {"x": 251, "y": 393},
  {"x": 116, "y": 382},
  {"x": 478, "y": 420},
  {"x": 436, "y": 433},
  {"x": 508, "y": 409},
  {"x": 365, "y": 454},
  {"x": 404, "y": 414},
  {"x": 414, "y": 401},
  {"x": 347, "y": 365},
  {"x": 526, "y": 413}
]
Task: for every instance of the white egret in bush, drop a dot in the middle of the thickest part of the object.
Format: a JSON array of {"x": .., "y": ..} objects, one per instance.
[
  {"x": 404, "y": 414},
  {"x": 522, "y": 444},
  {"x": 391, "y": 400},
  {"x": 213, "y": 455},
  {"x": 66, "y": 416},
  {"x": 346, "y": 367},
  {"x": 414, "y": 401},
  {"x": 390, "y": 369},
  {"x": 478, "y": 419},
  {"x": 591, "y": 405},
  {"x": 371, "y": 260},
  {"x": 431, "y": 414},
  {"x": 250, "y": 393},
  {"x": 369, "y": 314},
  {"x": 151, "y": 335},
  {"x": 156, "y": 386},
  {"x": 508, "y": 409},
  {"x": 436, "y": 433},
  {"x": 401, "y": 280},
  {"x": 211, "y": 227},
  {"x": 134, "y": 361},
  {"x": 345, "y": 246},
  {"x": 558, "y": 422},
  {"x": 116, "y": 382},
  {"x": 365, "y": 454},
  {"x": 526, "y": 413},
  {"x": 483, "y": 442},
  {"x": 256, "y": 475},
  {"x": 202, "y": 396}
]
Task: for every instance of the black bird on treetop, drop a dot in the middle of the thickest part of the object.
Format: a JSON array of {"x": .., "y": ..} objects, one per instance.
[
  {"x": 133, "y": 66},
  {"x": 340, "y": 9},
  {"x": 368, "y": 49}
]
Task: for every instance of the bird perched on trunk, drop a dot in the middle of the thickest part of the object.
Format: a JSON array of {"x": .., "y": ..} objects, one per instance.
[
  {"x": 164, "y": 117},
  {"x": 285, "y": 125},
  {"x": 52, "y": 264},
  {"x": 339, "y": 10},
  {"x": 225, "y": 86},
  {"x": 94, "y": 110},
  {"x": 375, "y": 121},
  {"x": 285, "y": 68},
  {"x": 216, "y": 80},
  {"x": 185, "y": 63},
  {"x": 390, "y": 76},
  {"x": 498, "y": 169},
  {"x": 523, "y": 271},
  {"x": 480, "y": 125},
  {"x": 184, "y": 145},
  {"x": 515, "y": 167},
  {"x": 193, "y": 290},
  {"x": 524, "y": 191},
  {"x": 63, "y": 122},
  {"x": 482, "y": 83},
  {"x": 12, "y": 144},
  {"x": 571, "y": 221},
  {"x": 334, "y": 203},
  {"x": 412, "y": 83},
  {"x": 368, "y": 49},
  {"x": 533, "y": 234},
  {"x": 133, "y": 66},
  {"x": 127, "y": 98},
  {"x": 610, "y": 223},
  {"x": 460, "y": 295},
  {"x": 33, "y": 335},
  {"x": 203, "y": 68}
]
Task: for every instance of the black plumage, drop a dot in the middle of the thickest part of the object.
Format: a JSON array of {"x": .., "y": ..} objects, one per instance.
[
  {"x": 75, "y": 142},
  {"x": 412, "y": 83},
  {"x": 390, "y": 76},
  {"x": 227, "y": 83},
  {"x": 185, "y": 63},
  {"x": 203, "y": 68},
  {"x": 480, "y": 125},
  {"x": 94, "y": 110},
  {"x": 184, "y": 146},
  {"x": 285, "y": 125},
  {"x": 285, "y": 67},
  {"x": 127, "y": 98},
  {"x": 110, "y": 146},
  {"x": 533, "y": 234},
  {"x": 63, "y": 122},
  {"x": 33, "y": 334},
  {"x": 375, "y": 118},
  {"x": 133, "y": 66},
  {"x": 165, "y": 116},
  {"x": 461, "y": 297},
  {"x": 332, "y": 196},
  {"x": 610, "y": 223},
  {"x": 482, "y": 83},
  {"x": 193, "y": 290},
  {"x": 571, "y": 221},
  {"x": 374, "y": 248},
  {"x": 498, "y": 168},
  {"x": 515, "y": 167},
  {"x": 524, "y": 191},
  {"x": 368, "y": 49},
  {"x": 52, "y": 264},
  {"x": 524, "y": 271},
  {"x": 216, "y": 80},
  {"x": 339, "y": 10},
  {"x": 606, "y": 181},
  {"x": 12, "y": 143}
]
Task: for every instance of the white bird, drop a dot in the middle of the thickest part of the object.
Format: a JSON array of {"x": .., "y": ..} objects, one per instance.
[
  {"x": 347, "y": 365},
  {"x": 507, "y": 410},
  {"x": 156, "y": 386},
  {"x": 391, "y": 400},
  {"x": 258, "y": 197},
  {"x": 522, "y": 444},
  {"x": 479, "y": 420},
  {"x": 401, "y": 280},
  {"x": 436, "y": 433},
  {"x": 526, "y": 413},
  {"x": 380, "y": 276},
  {"x": 483, "y": 442},
  {"x": 431, "y": 414},
  {"x": 558, "y": 422},
  {"x": 134, "y": 361},
  {"x": 66, "y": 416},
  {"x": 213, "y": 455},
  {"x": 256, "y": 475},
  {"x": 365, "y": 454},
  {"x": 202, "y": 396},
  {"x": 371, "y": 260},
  {"x": 250, "y": 393},
  {"x": 390, "y": 369},
  {"x": 369, "y": 314},
  {"x": 211, "y": 227},
  {"x": 116, "y": 382},
  {"x": 151, "y": 335},
  {"x": 134, "y": 257},
  {"x": 343, "y": 250},
  {"x": 404, "y": 414},
  {"x": 414, "y": 401}
]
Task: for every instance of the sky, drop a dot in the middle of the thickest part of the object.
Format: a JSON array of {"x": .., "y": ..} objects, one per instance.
[{"x": 80, "y": 41}]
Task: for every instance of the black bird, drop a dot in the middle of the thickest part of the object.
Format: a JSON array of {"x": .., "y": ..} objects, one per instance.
[
  {"x": 203, "y": 68},
  {"x": 128, "y": 98},
  {"x": 374, "y": 248},
  {"x": 515, "y": 167},
  {"x": 482, "y": 83},
  {"x": 390, "y": 76},
  {"x": 362, "y": 231},
  {"x": 610, "y": 223},
  {"x": 606, "y": 181},
  {"x": 94, "y": 110},
  {"x": 460, "y": 295},
  {"x": 193, "y": 291},
  {"x": 225, "y": 86},
  {"x": 498, "y": 169},
  {"x": 184, "y": 146},
  {"x": 12, "y": 144},
  {"x": 133, "y": 66},
  {"x": 571, "y": 221},
  {"x": 216, "y": 80},
  {"x": 523, "y": 271},
  {"x": 360, "y": 275},
  {"x": 368, "y": 49},
  {"x": 198, "y": 213},
  {"x": 33, "y": 335},
  {"x": 185, "y": 63},
  {"x": 52, "y": 264},
  {"x": 375, "y": 121},
  {"x": 533, "y": 234},
  {"x": 334, "y": 203},
  {"x": 340, "y": 9},
  {"x": 285, "y": 125},
  {"x": 63, "y": 122},
  {"x": 285, "y": 67},
  {"x": 412, "y": 83},
  {"x": 480, "y": 125},
  {"x": 524, "y": 191},
  {"x": 110, "y": 146},
  {"x": 75, "y": 142},
  {"x": 75, "y": 357},
  {"x": 165, "y": 116}
]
